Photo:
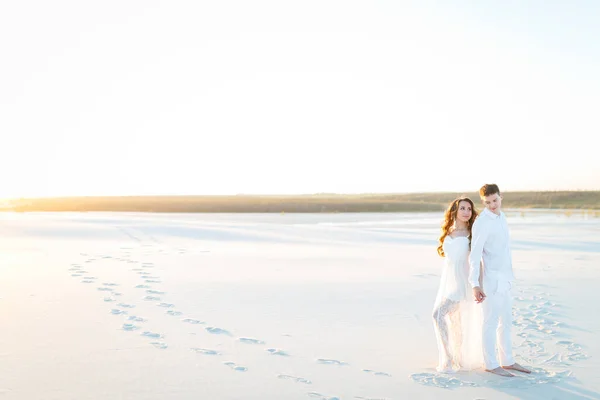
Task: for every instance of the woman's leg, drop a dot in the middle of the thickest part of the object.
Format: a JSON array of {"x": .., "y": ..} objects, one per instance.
[
  {"x": 456, "y": 336},
  {"x": 440, "y": 321}
]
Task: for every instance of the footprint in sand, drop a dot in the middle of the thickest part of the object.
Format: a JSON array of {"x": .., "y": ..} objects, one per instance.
[
  {"x": 320, "y": 396},
  {"x": 152, "y": 281},
  {"x": 136, "y": 318},
  {"x": 151, "y": 298},
  {"x": 376, "y": 373},
  {"x": 378, "y": 398},
  {"x": 439, "y": 380},
  {"x": 151, "y": 291},
  {"x": 192, "y": 321},
  {"x": 125, "y": 305},
  {"x": 166, "y": 305},
  {"x": 537, "y": 377},
  {"x": 296, "y": 379},
  {"x": 250, "y": 341},
  {"x": 142, "y": 287},
  {"x": 277, "y": 352},
  {"x": 130, "y": 327},
  {"x": 533, "y": 319},
  {"x": 235, "y": 367},
  {"x": 555, "y": 360},
  {"x": 330, "y": 361},
  {"x": 217, "y": 331},
  {"x": 159, "y": 345},
  {"x": 152, "y": 335},
  {"x": 116, "y": 311},
  {"x": 174, "y": 313},
  {"x": 574, "y": 351},
  {"x": 105, "y": 289},
  {"x": 207, "y": 352},
  {"x": 532, "y": 348}
]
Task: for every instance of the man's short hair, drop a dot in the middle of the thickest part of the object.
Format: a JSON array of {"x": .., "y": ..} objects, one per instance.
[{"x": 489, "y": 189}]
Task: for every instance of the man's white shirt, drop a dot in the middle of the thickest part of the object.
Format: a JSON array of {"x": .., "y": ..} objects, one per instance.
[{"x": 490, "y": 241}]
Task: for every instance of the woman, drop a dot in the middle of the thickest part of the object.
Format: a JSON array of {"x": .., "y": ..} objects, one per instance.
[{"x": 456, "y": 317}]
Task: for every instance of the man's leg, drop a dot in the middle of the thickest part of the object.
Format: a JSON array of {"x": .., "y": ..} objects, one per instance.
[
  {"x": 492, "y": 306},
  {"x": 504, "y": 328},
  {"x": 507, "y": 360},
  {"x": 490, "y": 326}
]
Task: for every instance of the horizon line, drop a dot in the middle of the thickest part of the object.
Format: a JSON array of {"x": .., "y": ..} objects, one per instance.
[{"x": 291, "y": 194}]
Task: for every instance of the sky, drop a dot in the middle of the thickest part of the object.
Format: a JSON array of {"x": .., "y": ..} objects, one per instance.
[{"x": 286, "y": 97}]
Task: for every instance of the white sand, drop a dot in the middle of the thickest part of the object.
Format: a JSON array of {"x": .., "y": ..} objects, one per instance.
[{"x": 276, "y": 307}]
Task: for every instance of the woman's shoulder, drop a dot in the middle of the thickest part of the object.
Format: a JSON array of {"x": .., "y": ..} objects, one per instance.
[{"x": 449, "y": 239}]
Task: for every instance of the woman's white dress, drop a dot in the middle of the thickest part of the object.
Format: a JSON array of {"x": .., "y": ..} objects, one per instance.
[{"x": 457, "y": 317}]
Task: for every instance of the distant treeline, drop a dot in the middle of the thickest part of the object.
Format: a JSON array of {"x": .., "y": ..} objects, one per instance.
[{"x": 328, "y": 203}]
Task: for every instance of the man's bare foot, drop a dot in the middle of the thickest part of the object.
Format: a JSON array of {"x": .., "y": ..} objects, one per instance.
[
  {"x": 499, "y": 371},
  {"x": 517, "y": 367}
]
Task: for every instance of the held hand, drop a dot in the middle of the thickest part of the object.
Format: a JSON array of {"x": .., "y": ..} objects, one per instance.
[{"x": 478, "y": 294}]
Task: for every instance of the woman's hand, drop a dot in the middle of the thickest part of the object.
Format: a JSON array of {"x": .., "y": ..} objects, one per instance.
[{"x": 478, "y": 294}]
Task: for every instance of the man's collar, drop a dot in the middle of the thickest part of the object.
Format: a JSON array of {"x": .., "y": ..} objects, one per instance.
[{"x": 490, "y": 214}]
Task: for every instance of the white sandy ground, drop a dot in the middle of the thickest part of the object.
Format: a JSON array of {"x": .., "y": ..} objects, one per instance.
[{"x": 339, "y": 307}]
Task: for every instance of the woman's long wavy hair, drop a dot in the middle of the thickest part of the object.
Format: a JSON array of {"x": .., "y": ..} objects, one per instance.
[{"x": 450, "y": 218}]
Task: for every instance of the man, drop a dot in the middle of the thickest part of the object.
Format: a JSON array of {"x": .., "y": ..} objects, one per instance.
[{"x": 491, "y": 240}]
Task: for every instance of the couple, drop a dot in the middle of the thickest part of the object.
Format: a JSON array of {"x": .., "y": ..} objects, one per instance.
[{"x": 473, "y": 309}]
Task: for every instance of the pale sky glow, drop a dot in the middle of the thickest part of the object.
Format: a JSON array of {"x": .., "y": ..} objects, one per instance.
[{"x": 225, "y": 97}]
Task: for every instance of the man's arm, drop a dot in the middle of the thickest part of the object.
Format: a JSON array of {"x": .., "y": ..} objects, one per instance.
[{"x": 479, "y": 236}]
